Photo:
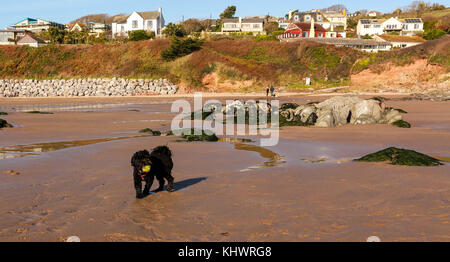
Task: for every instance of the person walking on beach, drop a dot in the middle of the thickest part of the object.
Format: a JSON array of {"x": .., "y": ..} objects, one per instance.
[
  {"x": 267, "y": 92},
  {"x": 272, "y": 90}
]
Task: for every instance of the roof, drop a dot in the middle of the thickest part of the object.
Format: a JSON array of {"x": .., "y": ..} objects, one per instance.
[
  {"x": 30, "y": 39},
  {"x": 372, "y": 21},
  {"x": 348, "y": 41},
  {"x": 400, "y": 38},
  {"x": 149, "y": 15},
  {"x": 121, "y": 19},
  {"x": 230, "y": 20},
  {"x": 307, "y": 26},
  {"x": 253, "y": 20},
  {"x": 410, "y": 20}
]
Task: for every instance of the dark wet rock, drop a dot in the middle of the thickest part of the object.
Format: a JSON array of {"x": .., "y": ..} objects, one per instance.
[
  {"x": 397, "y": 156},
  {"x": 150, "y": 131},
  {"x": 39, "y": 112},
  {"x": 402, "y": 124},
  {"x": 3, "y": 114},
  {"x": 4, "y": 123}
]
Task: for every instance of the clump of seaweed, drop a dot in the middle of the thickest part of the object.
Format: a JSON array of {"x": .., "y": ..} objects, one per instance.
[
  {"x": 3, "y": 114},
  {"x": 4, "y": 123},
  {"x": 150, "y": 131},
  {"x": 397, "y": 156},
  {"x": 205, "y": 136},
  {"x": 289, "y": 105},
  {"x": 402, "y": 124},
  {"x": 39, "y": 112}
]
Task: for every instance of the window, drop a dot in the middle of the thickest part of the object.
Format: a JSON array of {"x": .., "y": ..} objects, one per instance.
[
  {"x": 416, "y": 26},
  {"x": 122, "y": 28},
  {"x": 246, "y": 25},
  {"x": 256, "y": 26},
  {"x": 319, "y": 18},
  {"x": 307, "y": 18},
  {"x": 149, "y": 24},
  {"x": 134, "y": 23},
  {"x": 377, "y": 26},
  {"x": 366, "y": 26}
]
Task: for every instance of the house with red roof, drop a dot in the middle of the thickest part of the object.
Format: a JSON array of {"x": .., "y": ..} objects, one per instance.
[{"x": 304, "y": 30}]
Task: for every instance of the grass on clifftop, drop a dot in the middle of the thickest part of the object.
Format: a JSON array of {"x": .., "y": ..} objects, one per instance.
[
  {"x": 397, "y": 156},
  {"x": 257, "y": 63}
]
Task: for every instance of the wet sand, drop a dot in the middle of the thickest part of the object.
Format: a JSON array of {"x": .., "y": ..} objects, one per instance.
[{"x": 303, "y": 189}]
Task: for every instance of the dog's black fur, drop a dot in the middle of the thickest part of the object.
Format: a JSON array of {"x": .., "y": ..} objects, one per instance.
[{"x": 161, "y": 164}]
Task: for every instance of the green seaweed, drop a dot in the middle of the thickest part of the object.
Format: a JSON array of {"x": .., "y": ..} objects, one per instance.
[
  {"x": 4, "y": 123},
  {"x": 397, "y": 156},
  {"x": 3, "y": 114},
  {"x": 150, "y": 131},
  {"x": 402, "y": 124},
  {"x": 203, "y": 137},
  {"x": 39, "y": 112},
  {"x": 288, "y": 105}
]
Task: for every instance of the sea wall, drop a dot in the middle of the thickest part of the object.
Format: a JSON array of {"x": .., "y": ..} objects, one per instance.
[{"x": 85, "y": 87}]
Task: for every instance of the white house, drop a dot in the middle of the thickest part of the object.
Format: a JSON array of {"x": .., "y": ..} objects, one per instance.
[
  {"x": 253, "y": 25},
  {"x": 31, "y": 40},
  {"x": 407, "y": 27},
  {"x": 36, "y": 25},
  {"x": 152, "y": 21}
]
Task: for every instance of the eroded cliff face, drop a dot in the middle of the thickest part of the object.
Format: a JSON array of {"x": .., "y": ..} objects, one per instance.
[{"x": 418, "y": 76}]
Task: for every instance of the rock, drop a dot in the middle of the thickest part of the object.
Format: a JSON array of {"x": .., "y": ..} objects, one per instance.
[{"x": 325, "y": 118}]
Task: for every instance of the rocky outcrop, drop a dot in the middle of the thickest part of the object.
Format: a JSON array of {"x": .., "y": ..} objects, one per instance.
[
  {"x": 341, "y": 110},
  {"x": 85, "y": 87}
]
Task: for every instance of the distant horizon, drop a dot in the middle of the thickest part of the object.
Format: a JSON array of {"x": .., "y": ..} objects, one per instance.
[{"x": 65, "y": 11}]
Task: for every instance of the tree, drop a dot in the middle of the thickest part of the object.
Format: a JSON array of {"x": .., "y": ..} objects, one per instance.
[
  {"x": 229, "y": 12},
  {"x": 139, "y": 35},
  {"x": 193, "y": 25},
  {"x": 271, "y": 27},
  {"x": 173, "y": 30},
  {"x": 179, "y": 48},
  {"x": 56, "y": 35}
]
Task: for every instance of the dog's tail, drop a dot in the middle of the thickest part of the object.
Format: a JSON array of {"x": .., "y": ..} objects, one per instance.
[{"x": 163, "y": 150}]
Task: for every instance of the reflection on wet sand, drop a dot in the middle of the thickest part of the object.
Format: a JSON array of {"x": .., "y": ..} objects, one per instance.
[{"x": 36, "y": 149}]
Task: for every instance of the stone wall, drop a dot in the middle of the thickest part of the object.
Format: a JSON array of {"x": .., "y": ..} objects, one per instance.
[{"x": 85, "y": 87}]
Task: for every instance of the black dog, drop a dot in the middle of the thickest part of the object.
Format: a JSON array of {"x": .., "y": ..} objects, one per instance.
[{"x": 147, "y": 166}]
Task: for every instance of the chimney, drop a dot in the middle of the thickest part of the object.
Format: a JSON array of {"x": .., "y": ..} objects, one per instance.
[
  {"x": 290, "y": 14},
  {"x": 312, "y": 32},
  {"x": 160, "y": 10}
]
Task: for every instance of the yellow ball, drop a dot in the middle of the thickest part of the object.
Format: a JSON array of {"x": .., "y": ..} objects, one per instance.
[{"x": 146, "y": 169}]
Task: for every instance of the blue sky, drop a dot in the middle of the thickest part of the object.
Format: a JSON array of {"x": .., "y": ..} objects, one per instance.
[{"x": 64, "y": 11}]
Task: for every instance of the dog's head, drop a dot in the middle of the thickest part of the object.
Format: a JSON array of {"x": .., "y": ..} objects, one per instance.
[{"x": 141, "y": 162}]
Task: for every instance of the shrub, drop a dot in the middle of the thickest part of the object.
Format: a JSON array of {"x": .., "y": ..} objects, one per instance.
[
  {"x": 179, "y": 48},
  {"x": 150, "y": 131},
  {"x": 139, "y": 35}
]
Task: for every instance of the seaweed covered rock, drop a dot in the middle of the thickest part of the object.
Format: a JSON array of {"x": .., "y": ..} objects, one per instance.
[
  {"x": 150, "y": 131},
  {"x": 205, "y": 136},
  {"x": 397, "y": 156},
  {"x": 3, "y": 114},
  {"x": 4, "y": 123},
  {"x": 402, "y": 124}
]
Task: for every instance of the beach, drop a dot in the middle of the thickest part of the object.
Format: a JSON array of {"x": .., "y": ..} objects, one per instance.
[{"x": 72, "y": 176}]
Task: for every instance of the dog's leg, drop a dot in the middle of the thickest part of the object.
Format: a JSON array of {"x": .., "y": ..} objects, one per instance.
[
  {"x": 161, "y": 185},
  {"x": 138, "y": 185},
  {"x": 148, "y": 185},
  {"x": 170, "y": 180}
]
